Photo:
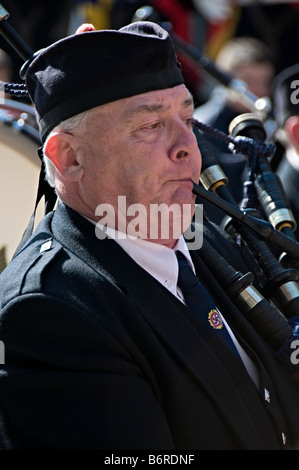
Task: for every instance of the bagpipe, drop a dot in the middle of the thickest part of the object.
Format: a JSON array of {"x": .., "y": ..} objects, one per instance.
[{"x": 263, "y": 224}]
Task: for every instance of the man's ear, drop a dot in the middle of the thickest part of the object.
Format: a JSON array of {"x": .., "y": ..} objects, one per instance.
[
  {"x": 62, "y": 149},
  {"x": 292, "y": 130}
]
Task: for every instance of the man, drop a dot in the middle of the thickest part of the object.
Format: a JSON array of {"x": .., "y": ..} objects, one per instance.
[
  {"x": 101, "y": 350},
  {"x": 285, "y": 94}
]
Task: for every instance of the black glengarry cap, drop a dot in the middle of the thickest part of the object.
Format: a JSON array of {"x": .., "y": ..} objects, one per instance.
[{"x": 92, "y": 68}]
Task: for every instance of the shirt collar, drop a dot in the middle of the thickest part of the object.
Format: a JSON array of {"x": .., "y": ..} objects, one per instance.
[{"x": 158, "y": 260}]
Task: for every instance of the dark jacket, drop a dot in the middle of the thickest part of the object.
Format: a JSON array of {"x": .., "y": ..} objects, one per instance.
[{"x": 99, "y": 355}]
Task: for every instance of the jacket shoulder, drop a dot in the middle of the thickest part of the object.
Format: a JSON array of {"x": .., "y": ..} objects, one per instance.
[{"x": 24, "y": 272}]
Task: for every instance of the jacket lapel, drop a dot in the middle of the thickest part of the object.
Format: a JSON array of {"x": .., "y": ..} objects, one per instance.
[{"x": 213, "y": 367}]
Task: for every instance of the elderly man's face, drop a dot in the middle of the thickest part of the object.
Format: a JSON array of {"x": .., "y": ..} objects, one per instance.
[{"x": 142, "y": 148}]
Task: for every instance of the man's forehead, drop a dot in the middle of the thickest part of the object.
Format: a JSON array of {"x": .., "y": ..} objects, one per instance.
[
  {"x": 179, "y": 93},
  {"x": 152, "y": 101},
  {"x": 158, "y": 101}
]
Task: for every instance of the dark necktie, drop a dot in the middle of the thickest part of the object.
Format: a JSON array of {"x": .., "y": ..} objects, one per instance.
[{"x": 200, "y": 302}]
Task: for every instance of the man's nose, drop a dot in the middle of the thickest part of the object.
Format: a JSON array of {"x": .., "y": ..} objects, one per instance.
[{"x": 183, "y": 143}]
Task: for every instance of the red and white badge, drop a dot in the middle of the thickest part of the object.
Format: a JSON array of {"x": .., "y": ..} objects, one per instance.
[{"x": 215, "y": 319}]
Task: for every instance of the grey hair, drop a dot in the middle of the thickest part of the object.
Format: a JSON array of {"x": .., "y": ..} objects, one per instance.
[{"x": 74, "y": 123}]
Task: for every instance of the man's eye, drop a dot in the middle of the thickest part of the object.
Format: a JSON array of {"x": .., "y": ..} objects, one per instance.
[
  {"x": 151, "y": 126},
  {"x": 154, "y": 125},
  {"x": 189, "y": 122}
]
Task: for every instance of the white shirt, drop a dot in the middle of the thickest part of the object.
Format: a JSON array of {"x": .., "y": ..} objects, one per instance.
[{"x": 161, "y": 262}]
